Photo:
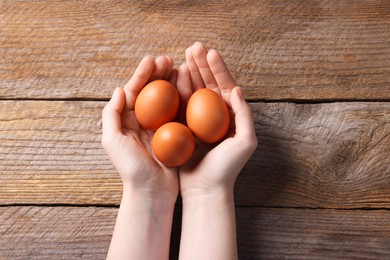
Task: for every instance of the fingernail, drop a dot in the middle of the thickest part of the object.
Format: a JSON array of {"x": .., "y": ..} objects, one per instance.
[
  {"x": 115, "y": 91},
  {"x": 239, "y": 92},
  {"x": 115, "y": 94}
]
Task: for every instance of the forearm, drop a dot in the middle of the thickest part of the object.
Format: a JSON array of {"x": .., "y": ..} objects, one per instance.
[
  {"x": 142, "y": 229},
  {"x": 209, "y": 227}
]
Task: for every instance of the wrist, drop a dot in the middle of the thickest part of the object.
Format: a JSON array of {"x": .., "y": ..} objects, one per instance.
[
  {"x": 210, "y": 197},
  {"x": 159, "y": 202},
  {"x": 142, "y": 220},
  {"x": 208, "y": 222},
  {"x": 199, "y": 193}
]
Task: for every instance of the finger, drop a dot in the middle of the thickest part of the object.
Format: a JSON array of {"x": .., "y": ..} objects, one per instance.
[
  {"x": 111, "y": 115},
  {"x": 173, "y": 77},
  {"x": 139, "y": 79},
  {"x": 221, "y": 73},
  {"x": 141, "y": 74},
  {"x": 184, "y": 82},
  {"x": 199, "y": 52},
  {"x": 245, "y": 130},
  {"x": 168, "y": 69},
  {"x": 196, "y": 78},
  {"x": 184, "y": 89},
  {"x": 160, "y": 67}
]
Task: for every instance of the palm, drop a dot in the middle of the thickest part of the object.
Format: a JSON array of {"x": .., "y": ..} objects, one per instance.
[
  {"x": 210, "y": 166},
  {"x": 130, "y": 150},
  {"x": 137, "y": 149}
]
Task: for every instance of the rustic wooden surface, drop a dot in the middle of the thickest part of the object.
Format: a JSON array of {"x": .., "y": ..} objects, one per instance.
[{"x": 317, "y": 75}]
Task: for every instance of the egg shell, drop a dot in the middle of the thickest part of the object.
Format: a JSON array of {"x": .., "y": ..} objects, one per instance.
[
  {"x": 207, "y": 116},
  {"x": 156, "y": 104},
  {"x": 173, "y": 144}
]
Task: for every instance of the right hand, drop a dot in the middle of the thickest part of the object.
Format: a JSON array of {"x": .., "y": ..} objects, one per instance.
[{"x": 127, "y": 143}]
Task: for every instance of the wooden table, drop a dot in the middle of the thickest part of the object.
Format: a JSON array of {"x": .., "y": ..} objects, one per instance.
[{"x": 316, "y": 73}]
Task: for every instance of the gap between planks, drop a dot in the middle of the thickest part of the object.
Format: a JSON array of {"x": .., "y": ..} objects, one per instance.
[
  {"x": 287, "y": 100},
  {"x": 179, "y": 206}
]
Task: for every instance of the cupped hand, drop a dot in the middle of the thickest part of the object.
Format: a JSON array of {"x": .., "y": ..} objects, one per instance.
[
  {"x": 214, "y": 168},
  {"x": 128, "y": 144}
]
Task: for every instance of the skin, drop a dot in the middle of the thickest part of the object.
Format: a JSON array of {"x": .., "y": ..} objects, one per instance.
[
  {"x": 206, "y": 183},
  {"x": 150, "y": 189}
]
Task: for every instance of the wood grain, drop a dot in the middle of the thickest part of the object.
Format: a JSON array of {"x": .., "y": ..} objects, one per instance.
[
  {"x": 318, "y": 186},
  {"x": 50, "y": 152},
  {"x": 277, "y": 50},
  {"x": 333, "y": 155},
  {"x": 85, "y": 233},
  {"x": 55, "y": 232},
  {"x": 330, "y": 155},
  {"x": 313, "y": 234}
]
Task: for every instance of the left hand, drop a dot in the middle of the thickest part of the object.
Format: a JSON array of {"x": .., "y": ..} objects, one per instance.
[{"x": 215, "y": 167}]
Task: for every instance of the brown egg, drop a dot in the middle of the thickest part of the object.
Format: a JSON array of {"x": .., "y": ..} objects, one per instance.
[
  {"x": 207, "y": 116},
  {"x": 173, "y": 144},
  {"x": 156, "y": 104}
]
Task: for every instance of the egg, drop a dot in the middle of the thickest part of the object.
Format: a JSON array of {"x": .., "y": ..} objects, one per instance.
[
  {"x": 207, "y": 115},
  {"x": 173, "y": 144},
  {"x": 156, "y": 104}
]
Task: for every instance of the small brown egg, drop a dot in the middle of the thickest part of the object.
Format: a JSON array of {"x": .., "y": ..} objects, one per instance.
[
  {"x": 173, "y": 144},
  {"x": 156, "y": 104},
  {"x": 207, "y": 116}
]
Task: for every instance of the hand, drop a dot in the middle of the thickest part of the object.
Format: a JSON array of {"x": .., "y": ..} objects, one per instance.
[
  {"x": 207, "y": 181},
  {"x": 128, "y": 144},
  {"x": 215, "y": 167}
]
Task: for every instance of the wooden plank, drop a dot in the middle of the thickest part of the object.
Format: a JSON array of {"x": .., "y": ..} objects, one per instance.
[
  {"x": 277, "y": 50},
  {"x": 313, "y": 234},
  {"x": 50, "y": 152},
  {"x": 85, "y": 232},
  {"x": 331, "y": 155}
]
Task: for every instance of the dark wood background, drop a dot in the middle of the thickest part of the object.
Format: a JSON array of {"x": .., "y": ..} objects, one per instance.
[{"x": 316, "y": 73}]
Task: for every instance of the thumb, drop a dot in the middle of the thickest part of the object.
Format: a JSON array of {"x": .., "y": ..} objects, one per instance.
[
  {"x": 111, "y": 115},
  {"x": 243, "y": 117}
]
